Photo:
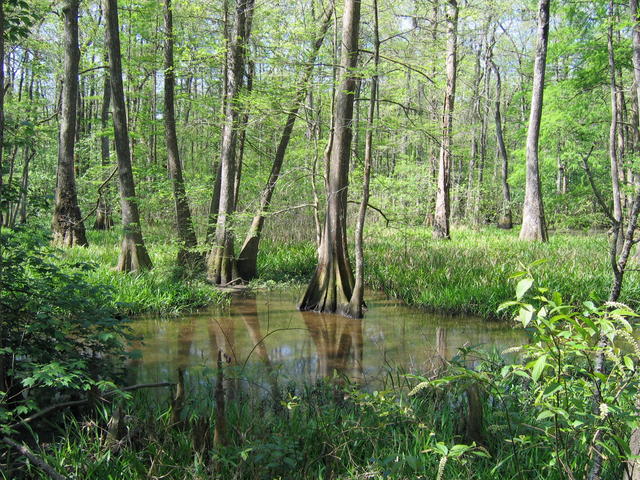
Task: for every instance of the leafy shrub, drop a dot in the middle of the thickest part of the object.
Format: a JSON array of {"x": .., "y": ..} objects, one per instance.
[{"x": 57, "y": 331}]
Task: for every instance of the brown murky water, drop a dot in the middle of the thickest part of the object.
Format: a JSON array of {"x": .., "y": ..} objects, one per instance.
[{"x": 268, "y": 342}]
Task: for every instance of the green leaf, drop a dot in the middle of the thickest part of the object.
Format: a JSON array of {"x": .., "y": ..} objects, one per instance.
[
  {"x": 508, "y": 304},
  {"x": 551, "y": 389},
  {"x": 523, "y": 286},
  {"x": 459, "y": 450},
  {"x": 526, "y": 315},
  {"x": 629, "y": 362},
  {"x": 538, "y": 367},
  {"x": 540, "y": 261},
  {"x": 545, "y": 414}
]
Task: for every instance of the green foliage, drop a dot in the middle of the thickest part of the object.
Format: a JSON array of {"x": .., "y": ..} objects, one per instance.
[
  {"x": 58, "y": 332},
  {"x": 316, "y": 431},
  {"x": 20, "y": 16},
  {"x": 165, "y": 289},
  {"x": 283, "y": 262},
  {"x": 471, "y": 273},
  {"x": 571, "y": 398},
  {"x": 549, "y": 401}
]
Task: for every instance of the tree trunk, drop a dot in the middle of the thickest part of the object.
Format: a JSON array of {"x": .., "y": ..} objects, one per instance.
[
  {"x": 67, "y": 224},
  {"x": 357, "y": 297},
  {"x": 633, "y": 466},
  {"x": 251, "y": 67},
  {"x": 222, "y": 268},
  {"x": 187, "y": 255},
  {"x": 505, "y": 213},
  {"x": 473, "y": 154},
  {"x": 619, "y": 262},
  {"x": 248, "y": 257},
  {"x": 561, "y": 175},
  {"x": 441, "y": 219},
  {"x": 104, "y": 219},
  {"x": 4, "y": 357},
  {"x": 24, "y": 186},
  {"x": 214, "y": 205},
  {"x": 331, "y": 287},
  {"x": 613, "y": 146},
  {"x": 133, "y": 253},
  {"x": 533, "y": 220}
]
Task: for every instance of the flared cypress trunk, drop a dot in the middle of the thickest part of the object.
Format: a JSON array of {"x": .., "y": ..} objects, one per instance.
[
  {"x": 331, "y": 287},
  {"x": 133, "y": 253},
  {"x": 187, "y": 254},
  {"x": 67, "y": 225},
  {"x": 248, "y": 257},
  {"x": 441, "y": 218},
  {"x": 533, "y": 221}
]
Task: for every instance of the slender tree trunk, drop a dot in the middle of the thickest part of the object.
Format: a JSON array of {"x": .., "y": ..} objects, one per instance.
[
  {"x": 533, "y": 220},
  {"x": 247, "y": 259},
  {"x": 331, "y": 287},
  {"x": 187, "y": 256},
  {"x": 619, "y": 258},
  {"x": 214, "y": 205},
  {"x": 24, "y": 186},
  {"x": 484, "y": 122},
  {"x": 561, "y": 175},
  {"x": 633, "y": 467},
  {"x": 357, "y": 298},
  {"x": 473, "y": 154},
  {"x": 4, "y": 357},
  {"x": 613, "y": 146},
  {"x": 67, "y": 224},
  {"x": 635, "y": 148},
  {"x": 222, "y": 267},
  {"x": 104, "y": 219},
  {"x": 133, "y": 253},
  {"x": 243, "y": 134},
  {"x": 505, "y": 212},
  {"x": 441, "y": 219}
]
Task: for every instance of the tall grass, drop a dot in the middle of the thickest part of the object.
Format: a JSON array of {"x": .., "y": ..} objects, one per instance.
[
  {"x": 469, "y": 274},
  {"x": 286, "y": 262},
  {"x": 164, "y": 290}
]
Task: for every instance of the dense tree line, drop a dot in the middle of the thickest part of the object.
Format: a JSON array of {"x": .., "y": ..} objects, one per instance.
[{"x": 232, "y": 117}]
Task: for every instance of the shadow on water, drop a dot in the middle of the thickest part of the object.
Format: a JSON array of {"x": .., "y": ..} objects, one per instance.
[{"x": 268, "y": 343}]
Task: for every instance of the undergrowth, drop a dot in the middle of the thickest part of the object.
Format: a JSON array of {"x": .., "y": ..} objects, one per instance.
[
  {"x": 165, "y": 289},
  {"x": 469, "y": 274},
  {"x": 472, "y": 272}
]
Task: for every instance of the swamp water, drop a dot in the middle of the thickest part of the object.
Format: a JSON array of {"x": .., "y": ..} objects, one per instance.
[{"x": 269, "y": 344}]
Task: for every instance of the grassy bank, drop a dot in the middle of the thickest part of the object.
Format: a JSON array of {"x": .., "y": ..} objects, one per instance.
[
  {"x": 471, "y": 272},
  {"x": 163, "y": 290}
]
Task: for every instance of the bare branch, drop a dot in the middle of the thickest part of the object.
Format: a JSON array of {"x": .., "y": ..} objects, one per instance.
[{"x": 33, "y": 458}]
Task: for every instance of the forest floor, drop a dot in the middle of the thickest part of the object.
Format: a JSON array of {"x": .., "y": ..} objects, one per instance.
[{"x": 470, "y": 274}]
